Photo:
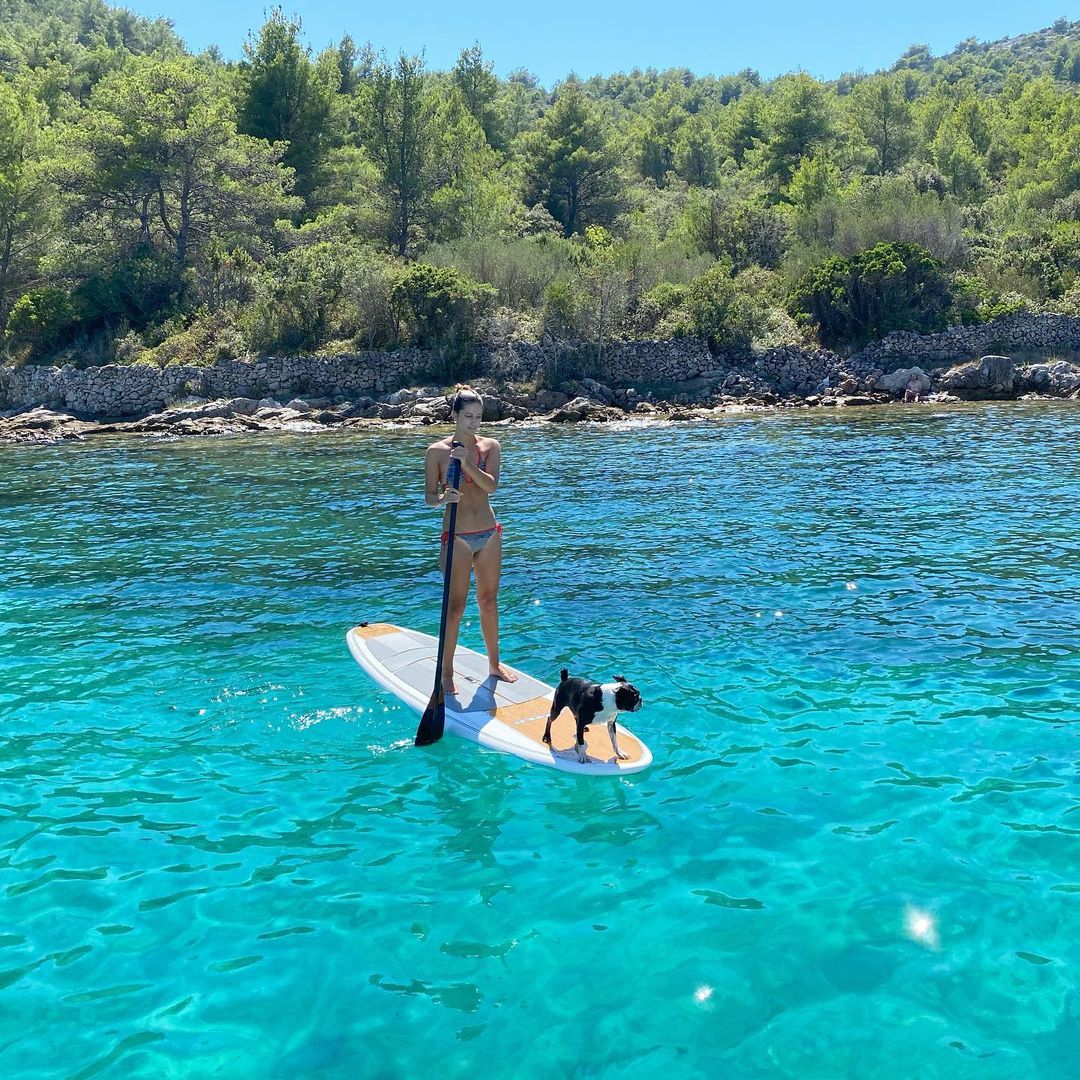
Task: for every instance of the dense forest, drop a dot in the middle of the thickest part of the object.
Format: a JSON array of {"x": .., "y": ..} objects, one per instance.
[{"x": 158, "y": 206}]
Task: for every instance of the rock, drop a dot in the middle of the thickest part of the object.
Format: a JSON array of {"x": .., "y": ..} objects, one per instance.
[
  {"x": 581, "y": 408},
  {"x": 1057, "y": 378},
  {"x": 991, "y": 378},
  {"x": 547, "y": 400},
  {"x": 44, "y": 426},
  {"x": 433, "y": 411},
  {"x": 577, "y": 409},
  {"x": 896, "y": 382},
  {"x": 598, "y": 391},
  {"x": 855, "y": 399}
]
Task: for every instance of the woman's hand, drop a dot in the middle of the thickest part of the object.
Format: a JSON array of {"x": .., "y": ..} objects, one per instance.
[{"x": 450, "y": 495}]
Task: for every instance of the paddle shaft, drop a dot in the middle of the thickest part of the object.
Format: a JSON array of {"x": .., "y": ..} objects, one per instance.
[
  {"x": 434, "y": 719},
  {"x": 453, "y": 477}
]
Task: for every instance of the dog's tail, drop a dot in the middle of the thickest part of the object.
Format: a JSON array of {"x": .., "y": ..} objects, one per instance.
[{"x": 564, "y": 674}]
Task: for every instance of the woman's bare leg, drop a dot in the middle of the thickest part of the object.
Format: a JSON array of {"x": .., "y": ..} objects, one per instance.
[
  {"x": 488, "y": 565},
  {"x": 459, "y": 594}
]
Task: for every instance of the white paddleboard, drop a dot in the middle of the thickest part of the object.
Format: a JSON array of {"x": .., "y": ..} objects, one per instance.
[{"x": 504, "y": 716}]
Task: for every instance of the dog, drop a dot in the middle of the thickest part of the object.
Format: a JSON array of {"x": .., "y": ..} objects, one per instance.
[{"x": 591, "y": 702}]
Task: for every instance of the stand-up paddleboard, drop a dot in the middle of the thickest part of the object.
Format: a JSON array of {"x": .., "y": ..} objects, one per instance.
[{"x": 503, "y": 716}]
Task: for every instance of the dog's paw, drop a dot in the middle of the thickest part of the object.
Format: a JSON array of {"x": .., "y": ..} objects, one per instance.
[
  {"x": 582, "y": 754},
  {"x": 621, "y": 756}
]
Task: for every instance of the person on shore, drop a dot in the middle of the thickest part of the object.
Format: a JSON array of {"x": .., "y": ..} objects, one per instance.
[
  {"x": 913, "y": 390},
  {"x": 478, "y": 536}
]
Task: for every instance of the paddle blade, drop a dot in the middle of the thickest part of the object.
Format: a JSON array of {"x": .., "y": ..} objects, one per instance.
[{"x": 433, "y": 721}]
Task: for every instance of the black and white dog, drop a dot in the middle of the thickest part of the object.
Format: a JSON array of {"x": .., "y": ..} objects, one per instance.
[{"x": 590, "y": 703}]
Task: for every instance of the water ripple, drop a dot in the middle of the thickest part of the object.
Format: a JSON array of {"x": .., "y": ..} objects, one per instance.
[{"x": 856, "y": 640}]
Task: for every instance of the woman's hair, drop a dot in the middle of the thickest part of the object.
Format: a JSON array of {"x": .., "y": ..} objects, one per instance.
[{"x": 465, "y": 395}]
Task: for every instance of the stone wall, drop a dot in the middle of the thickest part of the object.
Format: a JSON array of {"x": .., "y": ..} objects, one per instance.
[
  {"x": 959, "y": 344},
  {"x": 136, "y": 390},
  {"x": 679, "y": 367}
]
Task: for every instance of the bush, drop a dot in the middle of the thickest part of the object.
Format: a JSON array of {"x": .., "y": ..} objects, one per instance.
[
  {"x": 520, "y": 269},
  {"x": 443, "y": 311},
  {"x": 139, "y": 289},
  {"x": 321, "y": 292},
  {"x": 976, "y": 301},
  {"x": 859, "y": 299},
  {"x": 716, "y": 312},
  {"x": 40, "y": 321},
  {"x": 655, "y": 310},
  {"x": 884, "y": 210},
  {"x": 209, "y": 337}
]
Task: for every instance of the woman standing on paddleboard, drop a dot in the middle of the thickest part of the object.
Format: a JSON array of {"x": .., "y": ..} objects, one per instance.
[{"x": 477, "y": 535}]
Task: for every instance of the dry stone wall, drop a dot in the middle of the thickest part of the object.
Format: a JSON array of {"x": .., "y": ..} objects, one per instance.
[{"x": 679, "y": 369}]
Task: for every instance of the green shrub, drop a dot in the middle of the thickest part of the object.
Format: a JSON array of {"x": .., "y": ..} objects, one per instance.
[
  {"x": 140, "y": 288},
  {"x": 859, "y": 299},
  {"x": 322, "y": 292},
  {"x": 40, "y": 321},
  {"x": 442, "y": 310},
  {"x": 716, "y": 312}
]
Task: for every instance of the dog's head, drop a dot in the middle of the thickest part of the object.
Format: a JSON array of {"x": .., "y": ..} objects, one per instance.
[{"x": 627, "y": 698}]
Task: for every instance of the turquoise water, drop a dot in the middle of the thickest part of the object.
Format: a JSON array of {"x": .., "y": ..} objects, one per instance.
[{"x": 855, "y": 856}]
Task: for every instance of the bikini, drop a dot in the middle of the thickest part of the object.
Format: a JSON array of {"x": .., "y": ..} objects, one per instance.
[{"x": 478, "y": 538}]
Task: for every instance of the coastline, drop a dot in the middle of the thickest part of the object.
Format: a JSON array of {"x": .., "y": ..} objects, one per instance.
[
  {"x": 413, "y": 408},
  {"x": 671, "y": 380}
]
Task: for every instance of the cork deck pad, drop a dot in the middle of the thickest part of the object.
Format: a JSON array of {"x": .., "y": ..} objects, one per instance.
[{"x": 509, "y": 717}]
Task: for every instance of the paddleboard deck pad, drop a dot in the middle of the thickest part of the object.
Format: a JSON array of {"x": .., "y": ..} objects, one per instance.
[{"x": 505, "y": 716}]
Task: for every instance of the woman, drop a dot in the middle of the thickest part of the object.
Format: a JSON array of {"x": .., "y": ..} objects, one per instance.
[{"x": 478, "y": 536}]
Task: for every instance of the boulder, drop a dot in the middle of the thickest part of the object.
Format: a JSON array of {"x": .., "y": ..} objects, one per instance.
[
  {"x": 896, "y": 382},
  {"x": 1057, "y": 378},
  {"x": 991, "y": 378}
]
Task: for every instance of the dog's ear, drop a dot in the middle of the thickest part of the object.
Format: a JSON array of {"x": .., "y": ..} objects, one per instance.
[{"x": 619, "y": 678}]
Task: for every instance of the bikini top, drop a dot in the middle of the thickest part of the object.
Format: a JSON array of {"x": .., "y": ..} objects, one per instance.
[{"x": 481, "y": 464}]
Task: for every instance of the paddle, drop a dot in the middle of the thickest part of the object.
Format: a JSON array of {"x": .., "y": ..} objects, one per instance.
[{"x": 434, "y": 719}]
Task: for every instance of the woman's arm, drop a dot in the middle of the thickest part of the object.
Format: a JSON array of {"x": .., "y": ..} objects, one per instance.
[
  {"x": 487, "y": 482},
  {"x": 433, "y": 479}
]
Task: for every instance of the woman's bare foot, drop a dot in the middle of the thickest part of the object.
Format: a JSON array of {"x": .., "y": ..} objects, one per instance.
[
  {"x": 448, "y": 686},
  {"x": 504, "y": 674}
]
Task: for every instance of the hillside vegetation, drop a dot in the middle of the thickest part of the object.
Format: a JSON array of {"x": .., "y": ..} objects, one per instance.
[{"x": 158, "y": 206}]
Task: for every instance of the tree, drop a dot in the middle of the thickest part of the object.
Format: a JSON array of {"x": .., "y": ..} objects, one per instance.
[
  {"x": 799, "y": 122},
  {"x": 730, "y": 225},
  {"x": 26, "y": 194},
  {"x": 156, "y": 161},
  {"x": 398, "y": 132},
  {"x": 695, "y": 152},
  {"x": 606, "y": 272},
  {"x": 474, "y": 78},
  {"x": 715, "y": 312},
  {"x": 882, "y": 114},
  {"x": 657, "y": 131},
  {"x": 569, "y": 163},
  {"x": 286, "y": 98},
  {"x": 860, "y": 299},
  {"x": 470, "y": 196},
  {"x": 742, "y": 126}
]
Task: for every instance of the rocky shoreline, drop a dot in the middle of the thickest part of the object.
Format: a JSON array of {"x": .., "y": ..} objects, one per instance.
[{"x": 846, "y": 384}]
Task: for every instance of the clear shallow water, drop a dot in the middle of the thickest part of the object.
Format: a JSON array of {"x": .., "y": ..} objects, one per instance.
[{"x": 855, "y": 856}]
